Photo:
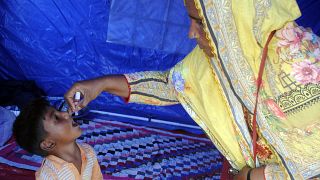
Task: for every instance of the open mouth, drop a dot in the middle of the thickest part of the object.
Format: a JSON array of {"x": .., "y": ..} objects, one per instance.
[{"x": 74, "y": 124}]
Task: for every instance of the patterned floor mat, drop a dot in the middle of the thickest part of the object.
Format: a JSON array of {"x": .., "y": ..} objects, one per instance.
[{"x": 137, "y": 152}]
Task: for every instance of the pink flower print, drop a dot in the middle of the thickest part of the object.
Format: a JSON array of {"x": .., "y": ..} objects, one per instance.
[
  {"x": 290, "y": 37},
  {"x": 305, "y": 72},
  {"x": 318, "y": 77},
  {"x": 316, "y": 54},
  {"x": 275, "y": 109},
  {"x": 307, "y": 36},
  {"x": 310, "y": 37}
]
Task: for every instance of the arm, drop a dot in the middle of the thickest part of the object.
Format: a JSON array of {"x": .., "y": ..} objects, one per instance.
[
  {"x": 267, "y": 172},
  {"x": 149, "y": 87},
  {"x": 115, "y": 84},
  {"x": 90, "y": 89},
  {"x": 255, "y": 173}
]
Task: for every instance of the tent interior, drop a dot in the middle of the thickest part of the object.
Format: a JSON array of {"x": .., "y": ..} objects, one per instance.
[{"x": 46, "y": 46}]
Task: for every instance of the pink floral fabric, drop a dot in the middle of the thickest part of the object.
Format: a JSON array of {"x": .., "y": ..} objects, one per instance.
[
  {"x": 305, "y": 72},
  {"x": 301, "y": 48}
]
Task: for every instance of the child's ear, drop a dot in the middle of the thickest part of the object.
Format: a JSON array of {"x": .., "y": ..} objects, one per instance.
[{"x": 47, "y": 145}]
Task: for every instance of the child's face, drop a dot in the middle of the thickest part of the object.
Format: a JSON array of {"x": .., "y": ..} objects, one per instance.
[{"x": 60, "y": 127}]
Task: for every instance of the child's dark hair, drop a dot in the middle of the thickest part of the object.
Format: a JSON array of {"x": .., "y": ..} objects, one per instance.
[{"x": 28, "y": 128}]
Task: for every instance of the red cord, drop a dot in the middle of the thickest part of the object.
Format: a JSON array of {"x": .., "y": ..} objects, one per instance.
[{"x": 259, "y": 81}]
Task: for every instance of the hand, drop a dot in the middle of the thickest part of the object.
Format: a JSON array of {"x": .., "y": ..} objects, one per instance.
[
  {"x": 242, "y": 175},
  {"x": 256, "y": 173},
  {"x": 89, "y": 90}
]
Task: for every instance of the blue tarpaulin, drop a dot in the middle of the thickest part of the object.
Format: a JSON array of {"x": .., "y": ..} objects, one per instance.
[
  {"x": 58, "y": 42},
  {"x": 160, "y": 25}
]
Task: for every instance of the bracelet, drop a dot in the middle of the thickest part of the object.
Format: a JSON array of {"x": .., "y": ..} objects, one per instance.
[
  {"x": 248, "y": 174},
  {"x": 233, "y": 171}
]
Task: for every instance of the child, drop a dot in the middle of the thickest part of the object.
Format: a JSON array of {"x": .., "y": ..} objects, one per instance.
[{"x": 41, "y": 129}]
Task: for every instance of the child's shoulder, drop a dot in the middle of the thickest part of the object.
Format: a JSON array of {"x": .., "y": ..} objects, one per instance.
[
  {"x": 87, "y": 148},
  {"x": 47, "y": 169}
]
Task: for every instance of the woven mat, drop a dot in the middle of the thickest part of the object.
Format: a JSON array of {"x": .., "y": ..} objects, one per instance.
[{"x": 137, "y": 152}]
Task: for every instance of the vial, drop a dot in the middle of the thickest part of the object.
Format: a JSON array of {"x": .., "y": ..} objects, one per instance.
[{"x": 77, "y": 99}]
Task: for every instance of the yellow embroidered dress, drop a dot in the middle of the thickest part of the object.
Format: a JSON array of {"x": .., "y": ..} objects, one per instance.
[{"x": 214, "y": 91}]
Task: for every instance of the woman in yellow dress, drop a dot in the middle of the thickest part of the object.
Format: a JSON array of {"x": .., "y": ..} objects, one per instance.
[{"x": 216, "y": 84}]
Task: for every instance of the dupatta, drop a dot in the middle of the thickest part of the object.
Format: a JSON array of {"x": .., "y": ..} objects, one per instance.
[{"x": 288, "y": 115}]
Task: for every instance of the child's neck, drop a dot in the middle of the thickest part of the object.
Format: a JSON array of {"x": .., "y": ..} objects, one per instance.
[{"x": 70, "y": 153}]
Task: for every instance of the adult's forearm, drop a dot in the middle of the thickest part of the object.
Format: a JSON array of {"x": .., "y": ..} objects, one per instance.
[
  {"x": 114, "y": 84},
  {"x": 257, "y": 173},
  {"x": 151, "y": 87}
]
